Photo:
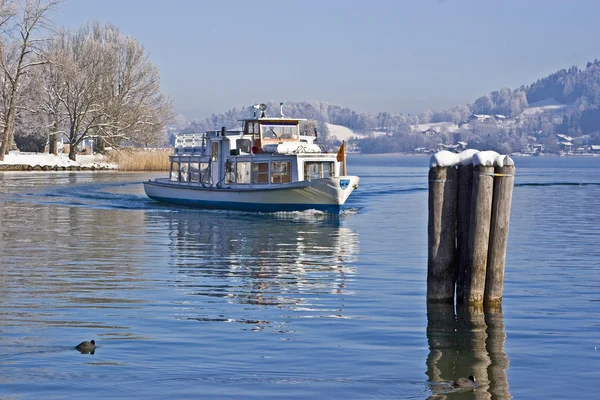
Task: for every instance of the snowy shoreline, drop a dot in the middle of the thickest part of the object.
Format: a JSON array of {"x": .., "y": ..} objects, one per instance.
[{"x": 17, "y": 161}]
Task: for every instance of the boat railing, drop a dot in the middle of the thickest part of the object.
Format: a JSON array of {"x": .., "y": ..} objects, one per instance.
[{"x": 190, "y": 143}]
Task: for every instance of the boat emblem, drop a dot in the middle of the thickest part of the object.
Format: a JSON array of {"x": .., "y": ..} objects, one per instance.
[{"x": 344, "y": 183}]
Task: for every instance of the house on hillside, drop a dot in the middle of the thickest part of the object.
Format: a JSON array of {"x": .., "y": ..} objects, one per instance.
[
  {"x": 594, "y": 148},
  {"x": 481, "y": 117},
  {"x": 500, "y": 118},
  {"x": 565, "y": 146},
  {"x": 582, "y": 140},
  {"x": 563, "y": 137},
  {"x": 456, "y": 147},
  {"x": 430, "y": 132}
]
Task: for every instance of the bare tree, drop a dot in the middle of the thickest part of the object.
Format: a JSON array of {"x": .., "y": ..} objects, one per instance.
[
  {"x": 18, "y": 56},
  {"x": 136, "y": 112},
  {"x": 106, "y": 87}
]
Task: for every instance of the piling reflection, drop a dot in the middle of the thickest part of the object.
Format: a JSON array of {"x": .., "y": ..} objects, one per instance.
[
  {"x": 296, "y": 264},
  {"x": 468, "y": 343}
]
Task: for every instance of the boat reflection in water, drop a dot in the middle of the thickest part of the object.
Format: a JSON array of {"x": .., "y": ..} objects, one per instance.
[
  {"x": 470, "y": 343},
  {"x": 281, "y": 266}
]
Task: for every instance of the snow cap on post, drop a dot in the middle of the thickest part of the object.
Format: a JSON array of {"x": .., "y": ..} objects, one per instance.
[
  {"x": 443, "y": 158},
  {"x": 465, "y": 157}
]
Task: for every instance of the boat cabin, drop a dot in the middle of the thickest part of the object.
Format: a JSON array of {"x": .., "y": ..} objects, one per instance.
[{"x": 267, "y": 151}]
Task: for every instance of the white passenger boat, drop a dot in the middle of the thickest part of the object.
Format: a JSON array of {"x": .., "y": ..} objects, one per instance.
[{"x": 269, "y": 166}]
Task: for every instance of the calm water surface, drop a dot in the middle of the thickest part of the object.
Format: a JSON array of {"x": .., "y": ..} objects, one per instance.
[{"x": 188, "y": 303}]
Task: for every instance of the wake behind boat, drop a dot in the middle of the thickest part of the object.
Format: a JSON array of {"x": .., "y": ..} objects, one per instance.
[{"x": 268, "y": 166}]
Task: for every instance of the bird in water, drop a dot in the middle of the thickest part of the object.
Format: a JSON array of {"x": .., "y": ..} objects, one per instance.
[
  {"x": 86, "y": 347},
  {"x": 465, "y": 383}
]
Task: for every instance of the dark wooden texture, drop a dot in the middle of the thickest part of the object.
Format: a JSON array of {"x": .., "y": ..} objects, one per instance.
[
  {"x": 479, "y": 233},
  {"x": 503, "y": 188},
  {"x": 465, "y": 192},
  {"x": 441, "y": 231}
]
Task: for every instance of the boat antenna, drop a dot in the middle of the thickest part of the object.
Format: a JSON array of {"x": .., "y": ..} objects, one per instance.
[{"x": 281, "y": 109}]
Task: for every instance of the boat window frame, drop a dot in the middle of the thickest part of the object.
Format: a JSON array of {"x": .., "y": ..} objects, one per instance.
[
  {"x": 243, "y": 145},
  {"x": 214, "y": 156},
  {"x": 288, "y": 173},
  {"x": 174, "y": 173},
  {"x": 256, "y": 174},
  {"x": 237, "y": 171},
  {"x": 321, "y": 173},
  {"x": 194, "y": 176},
  {"x": 206, "y": 177},
  {"x": 229, "y": 169}
]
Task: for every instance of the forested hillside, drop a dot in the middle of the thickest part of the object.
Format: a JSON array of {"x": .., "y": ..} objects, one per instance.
[{"x": 508, "y": 120}]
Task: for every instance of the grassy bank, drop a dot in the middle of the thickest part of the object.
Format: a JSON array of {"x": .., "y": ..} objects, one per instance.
[{"x": 141, "y": 160}]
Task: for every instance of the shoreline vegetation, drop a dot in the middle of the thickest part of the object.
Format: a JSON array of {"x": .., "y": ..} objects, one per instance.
[
  {"x": 123, "y": 160},
  {"x": 140, "y": 160}
]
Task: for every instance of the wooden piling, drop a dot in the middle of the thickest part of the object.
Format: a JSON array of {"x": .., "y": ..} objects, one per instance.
[
  {"x": 441, "y": 231},
  {"x": 479, "y": 233},
  {"x": 465, "y": 190},
  {"x": 502, "y": 199}
]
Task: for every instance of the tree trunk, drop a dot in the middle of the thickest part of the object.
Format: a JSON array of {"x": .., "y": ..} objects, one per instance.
[
  {"x": 73, "y": 152},
  {"x": 7, "y": 134},
  {"x": 53, "y": 145},
  {"x": 99, "y": 144}
]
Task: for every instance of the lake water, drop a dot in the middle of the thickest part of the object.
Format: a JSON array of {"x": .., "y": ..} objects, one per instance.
[{"x": 187, "y": 303}]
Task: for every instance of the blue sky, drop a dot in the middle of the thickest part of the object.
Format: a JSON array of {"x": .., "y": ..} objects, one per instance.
[{"x": 381, "y": 55}]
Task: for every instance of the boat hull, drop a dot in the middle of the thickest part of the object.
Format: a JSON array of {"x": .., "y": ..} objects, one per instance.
[{"x": 327, "y": 195}]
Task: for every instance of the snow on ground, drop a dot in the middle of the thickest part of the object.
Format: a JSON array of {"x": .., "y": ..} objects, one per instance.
[
  {"x": 341, "y": 132},
  {"x": 545, "y": 105},
  {"x": 436, "y": 126},
  {"x": 60, "y": 160}
]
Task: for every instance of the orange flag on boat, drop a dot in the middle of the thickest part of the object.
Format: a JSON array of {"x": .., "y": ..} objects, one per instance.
[{"x": 341, "y": 155}]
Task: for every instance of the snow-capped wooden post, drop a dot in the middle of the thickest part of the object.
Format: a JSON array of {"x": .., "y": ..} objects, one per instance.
[
  {"x": 504, "y": 177},
  {"x": 479, "y": 232},
  {"x": 441, "y": 228},
  {"x": 463, "y": 223},
  {"x": 469, "y": 210}
]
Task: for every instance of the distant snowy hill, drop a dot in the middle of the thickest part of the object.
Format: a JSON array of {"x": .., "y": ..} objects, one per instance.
[
  {"x": 340, "y": 132},
  {"x": 549, "y": 104}
]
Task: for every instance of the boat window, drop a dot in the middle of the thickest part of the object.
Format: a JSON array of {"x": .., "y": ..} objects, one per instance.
[
  {"x": 317, "y": 170},
  {"x": 184, "y": 171},
  {"x": 243, "y": 172},
  {"x": 215, "y": 151},
  {"x": 289, "y": 132},
  {"x": 205, "y": 172},
  {"x": 328, "y": 169},
  {"x": 174, "y": 172},
  {"x": 250, "y": 126},
  {"x": 229, "y": 172},
  {"x": 260, "y": 172},
  {"x": 271, "y": 131},
  {"x": 281, "y": 172},
  {"x": 243, "y": 145},
  {"x": 194, "y": 172},
  {"x": 280, "y": 132}
]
